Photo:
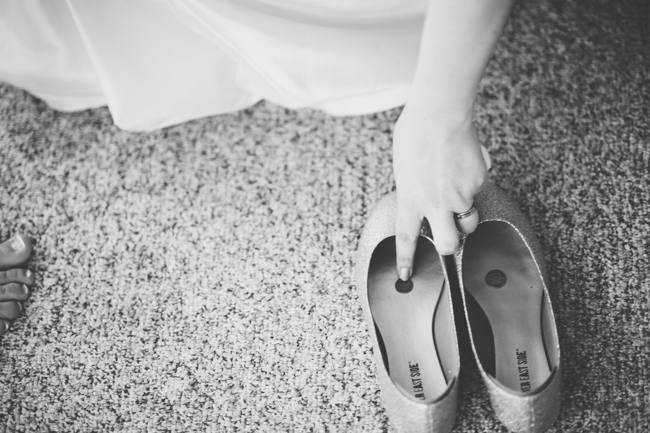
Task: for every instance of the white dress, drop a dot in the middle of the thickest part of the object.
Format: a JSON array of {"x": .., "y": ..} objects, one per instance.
[{"x": 156, "y": 63}]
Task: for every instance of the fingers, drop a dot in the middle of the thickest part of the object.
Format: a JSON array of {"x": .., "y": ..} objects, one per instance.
[
  {"x": 486, "y": 158},
  {"x": 444, "y": 228},
  {"x": 407, "y": 232},
  {"x": 444, "y": 232},
  {"x": 468, "y": 224}
]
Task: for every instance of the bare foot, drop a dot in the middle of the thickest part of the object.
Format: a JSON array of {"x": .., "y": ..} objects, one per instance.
[{"x": 15, "y": 280}]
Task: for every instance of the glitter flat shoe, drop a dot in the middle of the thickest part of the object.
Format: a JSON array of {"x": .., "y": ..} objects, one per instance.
[
  {"x": 509, "y": 314},
  {"x": 411, "y": 325}
]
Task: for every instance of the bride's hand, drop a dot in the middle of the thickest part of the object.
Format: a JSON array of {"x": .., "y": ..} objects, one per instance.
[{"x": 439, "y": 168}]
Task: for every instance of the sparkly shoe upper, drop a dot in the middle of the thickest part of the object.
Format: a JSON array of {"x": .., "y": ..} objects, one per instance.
[
  {"x": 406, "y": 415},
  {"x": 521, "y": 413}
]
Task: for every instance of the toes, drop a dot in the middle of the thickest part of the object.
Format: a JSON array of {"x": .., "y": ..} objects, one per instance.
[
  {"x": 23, "y": 276},
  {"x": 14, "y": 292},
  {"x": 15, "y": 252},
  {"x": 4, "y": 326},
  {"x": 9, "y": 310}
]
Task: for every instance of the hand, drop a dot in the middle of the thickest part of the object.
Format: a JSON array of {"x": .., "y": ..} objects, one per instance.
[{"x": 439, "y": 168}]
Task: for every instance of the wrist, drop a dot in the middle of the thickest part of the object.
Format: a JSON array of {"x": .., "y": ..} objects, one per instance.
[
  {"x": 457, "y": 92},
  {"x": 439, "y": 113}
]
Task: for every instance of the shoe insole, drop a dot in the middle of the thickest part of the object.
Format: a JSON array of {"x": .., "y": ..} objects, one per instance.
[
  {"x": 405, "y": 320},
  {"x": 499, "y": 273}
]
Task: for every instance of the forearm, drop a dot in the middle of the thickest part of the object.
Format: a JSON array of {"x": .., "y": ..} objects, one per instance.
[{"x": 457, "y": 42}]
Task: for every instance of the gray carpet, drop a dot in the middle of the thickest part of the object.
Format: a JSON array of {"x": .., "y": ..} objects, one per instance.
[{"x": 198, "y": 278}]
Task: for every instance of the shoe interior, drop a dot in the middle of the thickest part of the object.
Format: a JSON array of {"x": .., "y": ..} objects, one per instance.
[
  {"x": 509, "y": 314},
  {"x": 413, "y": 321}
]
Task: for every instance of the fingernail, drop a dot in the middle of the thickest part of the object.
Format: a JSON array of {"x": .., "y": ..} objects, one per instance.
[
  {"x": 28, "y": 273},
  {"x": 25, "y": 289},
  {"x": 17, "y": 243},
  {"x": 4, "y": 326},
  {"x": 405, "y": 274}
]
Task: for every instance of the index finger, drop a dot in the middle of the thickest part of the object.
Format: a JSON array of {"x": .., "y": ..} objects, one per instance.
[{"x": 407, "y": 232}]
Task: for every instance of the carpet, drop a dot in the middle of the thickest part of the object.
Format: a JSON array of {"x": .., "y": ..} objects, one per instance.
[{"x": 199, "y": 278}]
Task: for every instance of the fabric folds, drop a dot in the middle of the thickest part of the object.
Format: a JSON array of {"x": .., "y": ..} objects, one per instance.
[{"x": 156, "y": 63}]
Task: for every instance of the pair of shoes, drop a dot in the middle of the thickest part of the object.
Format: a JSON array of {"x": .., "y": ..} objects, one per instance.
[{"x": 506, "y": 304}]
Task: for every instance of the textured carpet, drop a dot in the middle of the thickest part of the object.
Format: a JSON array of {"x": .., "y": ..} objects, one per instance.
[{"x": 198, "y": 278}]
